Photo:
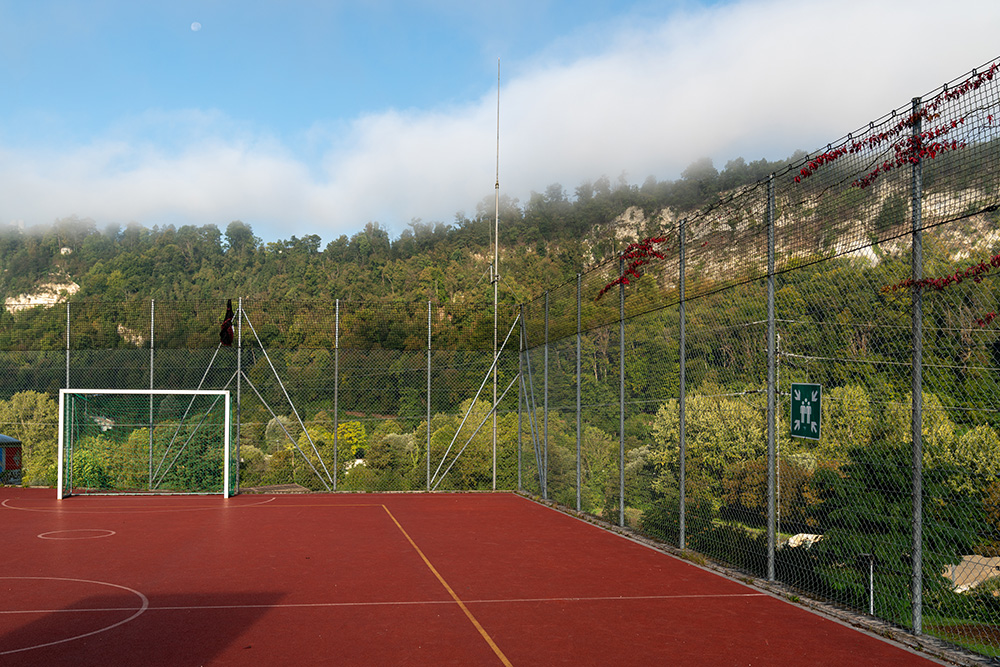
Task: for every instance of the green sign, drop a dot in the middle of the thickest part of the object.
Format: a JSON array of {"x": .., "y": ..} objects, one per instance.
[{"x": 806, "y": 408}]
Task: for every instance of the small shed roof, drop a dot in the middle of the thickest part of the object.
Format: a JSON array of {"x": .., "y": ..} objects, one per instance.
[{"x": 6, "y": 440}]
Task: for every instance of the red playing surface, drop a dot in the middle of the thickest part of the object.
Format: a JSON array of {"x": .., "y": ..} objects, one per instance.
[{"x": 450, "y": 579}]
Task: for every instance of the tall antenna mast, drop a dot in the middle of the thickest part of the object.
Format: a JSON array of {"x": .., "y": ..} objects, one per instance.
[{"x": 496, "y": 281}]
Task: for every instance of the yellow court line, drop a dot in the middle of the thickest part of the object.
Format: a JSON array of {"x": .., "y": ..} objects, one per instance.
[
  {"x": 451, "y": 592},
  {"x": 281, "y": 506}
]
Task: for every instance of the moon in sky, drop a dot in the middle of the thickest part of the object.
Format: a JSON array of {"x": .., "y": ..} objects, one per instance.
[{"x": 195, "y": 26}]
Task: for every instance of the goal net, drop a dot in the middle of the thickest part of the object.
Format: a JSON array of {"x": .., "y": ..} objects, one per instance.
[{"x": 122, "y": 441}]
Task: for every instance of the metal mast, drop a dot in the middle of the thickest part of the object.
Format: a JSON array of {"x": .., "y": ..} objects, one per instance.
[{"x": 495, "y": 278}]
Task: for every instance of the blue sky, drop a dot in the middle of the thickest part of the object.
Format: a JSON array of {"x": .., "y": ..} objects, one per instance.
[{"x": 306, "y": 117}]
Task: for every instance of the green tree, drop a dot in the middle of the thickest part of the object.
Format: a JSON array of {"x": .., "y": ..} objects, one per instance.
[
  {"x": 252, "y": 466},
  {"x": 848, "y": 421},
  {"x": 870, "y": 512},
  {"x": 352, "y": 439},
  {"x": 977, "y": 458},
  {"x": 240, "y": 239},
  {"x": 90, "y": 469},
  {"x": 278, "y": 430},
  {"x": 33, "y": 418},
  {"x": 599, "y": 457},
  {"x": 719, "y": 430},
  {"x": 937, "y": 428}
]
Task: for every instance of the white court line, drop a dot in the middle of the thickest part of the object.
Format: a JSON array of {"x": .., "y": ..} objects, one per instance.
[
  {"x": 64, "y": 534},
  {"x": 136, "y": 509},
  {"x": 142, "y": 608},
  {"x": 393, "y": 603}
]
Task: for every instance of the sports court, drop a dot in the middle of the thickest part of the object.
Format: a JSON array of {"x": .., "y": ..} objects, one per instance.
[{"x": 376, "y": 579}]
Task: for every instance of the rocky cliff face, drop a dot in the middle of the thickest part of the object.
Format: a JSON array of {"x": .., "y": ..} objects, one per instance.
[
  {"x": 732, "y": 235},
  {"x": 47, "y": 294}
]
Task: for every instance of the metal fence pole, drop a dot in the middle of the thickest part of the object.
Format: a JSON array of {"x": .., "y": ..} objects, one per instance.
[
  {"x": 152, "y": 345},
  {"x": 67, "y": 343},
  {"x": 336, "y": 390},
  {"x": 152, "y": 339},
  {"x": 772, "y": 461},
  {"x": 682, "y": 390},
  {"x": 621, "y": 393},
  {"x": 239, "y": 383},
  {"x": 428, "y": 395},
  {"x": 917, "y": 423},
  {"x": 520, "y": 398},
  {"x": 579, "y": 464},
  {"x": 545, "y": 408}
]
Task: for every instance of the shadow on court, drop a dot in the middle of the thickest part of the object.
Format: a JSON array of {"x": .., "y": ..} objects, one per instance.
[{"x": 180, "y": 629}]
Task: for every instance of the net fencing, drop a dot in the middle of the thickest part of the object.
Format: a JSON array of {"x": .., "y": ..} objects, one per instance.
[
  {"x": 352, "y": 396},
  {"x": 656, "y": 390},
  {"x": 866, "y": 270}
]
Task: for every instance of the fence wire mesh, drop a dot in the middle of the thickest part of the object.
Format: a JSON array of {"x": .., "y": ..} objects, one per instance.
[
  {"x": 656, "y": 390},
  {"x": 873, "y": 263},
  {"x": 329, "y": 395}
]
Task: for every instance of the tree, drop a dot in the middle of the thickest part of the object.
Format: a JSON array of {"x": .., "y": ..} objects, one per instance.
[
  {"x": 240, "y": 239},
  {"x": 385, "y": 448},
  {"x": 699, "y": 182},
  {"x": 252, "y": 465},
  {"x": 848, "y": 421},
  {"x": 937, "y": 428},
  {"x": 870, "y": 512},
  {"x": 977, "y": 458},
  {"x": 599, "y": 454},
  {"x": 278, "y": 430},
  {"x": 800, "y": 495},
  {"x": 305, "y": 470},
  {"x": 352, "y": 439},
  {"x": 33, "y": 418},
  {"x": 719, "y": 431}
]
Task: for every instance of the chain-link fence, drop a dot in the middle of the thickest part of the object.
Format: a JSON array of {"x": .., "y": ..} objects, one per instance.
[
  {"x": 328, "y": 395},
  {"x": 802, "y": 380}
]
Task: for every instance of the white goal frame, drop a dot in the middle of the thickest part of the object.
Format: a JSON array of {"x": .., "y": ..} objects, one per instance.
[{"x": 222, "y": 393}]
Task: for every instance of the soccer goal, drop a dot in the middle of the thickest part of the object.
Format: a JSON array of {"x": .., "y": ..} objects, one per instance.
[{"x": 142, "y": 441}]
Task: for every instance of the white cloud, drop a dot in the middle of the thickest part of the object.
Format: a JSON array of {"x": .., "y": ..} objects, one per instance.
[{"x": 756, "y": 78}]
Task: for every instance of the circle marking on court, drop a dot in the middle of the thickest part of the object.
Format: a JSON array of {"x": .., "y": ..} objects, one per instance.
[
  {"x": 77, "y": 534},
  {"x": 138, "y": 612}
]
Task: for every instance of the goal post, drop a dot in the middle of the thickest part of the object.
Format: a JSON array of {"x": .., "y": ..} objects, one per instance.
[{"x": 145, "y": 441}]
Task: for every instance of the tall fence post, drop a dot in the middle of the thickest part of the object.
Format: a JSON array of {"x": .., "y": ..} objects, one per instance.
[
  {"x": 621, "y": 393},
  {"x": 579, "y": 464},
  {"x": 152, "y": 340},
  {"x": 545, "y": 409},
  {"x": 428, "y": 395},
  {"x": 336, "y": 391},
  {"x": 521, "y": 398},
  {"x": 152, "y": 345},
  {"x": 67, "y": 343},
  {"x": 239, "y": 382},
  {"x": 682, "y": 389},
  {"x": 772, "y": 459},
  {"x": 917, "y": 269}
]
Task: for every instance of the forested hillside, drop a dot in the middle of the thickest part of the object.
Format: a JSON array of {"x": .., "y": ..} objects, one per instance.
[{"x": 544, "y": 242}]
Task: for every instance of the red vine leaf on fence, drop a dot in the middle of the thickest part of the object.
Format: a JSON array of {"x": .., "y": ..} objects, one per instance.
[
  {"x": 636, "y": 255},
  {"x": 975, "y": 273},
  {"x": 910, "y": 149},
  {"x": 984, "y": 321}
]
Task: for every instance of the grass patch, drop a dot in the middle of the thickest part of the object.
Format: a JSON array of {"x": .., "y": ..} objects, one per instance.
[{"x": 982, "y": 638}]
